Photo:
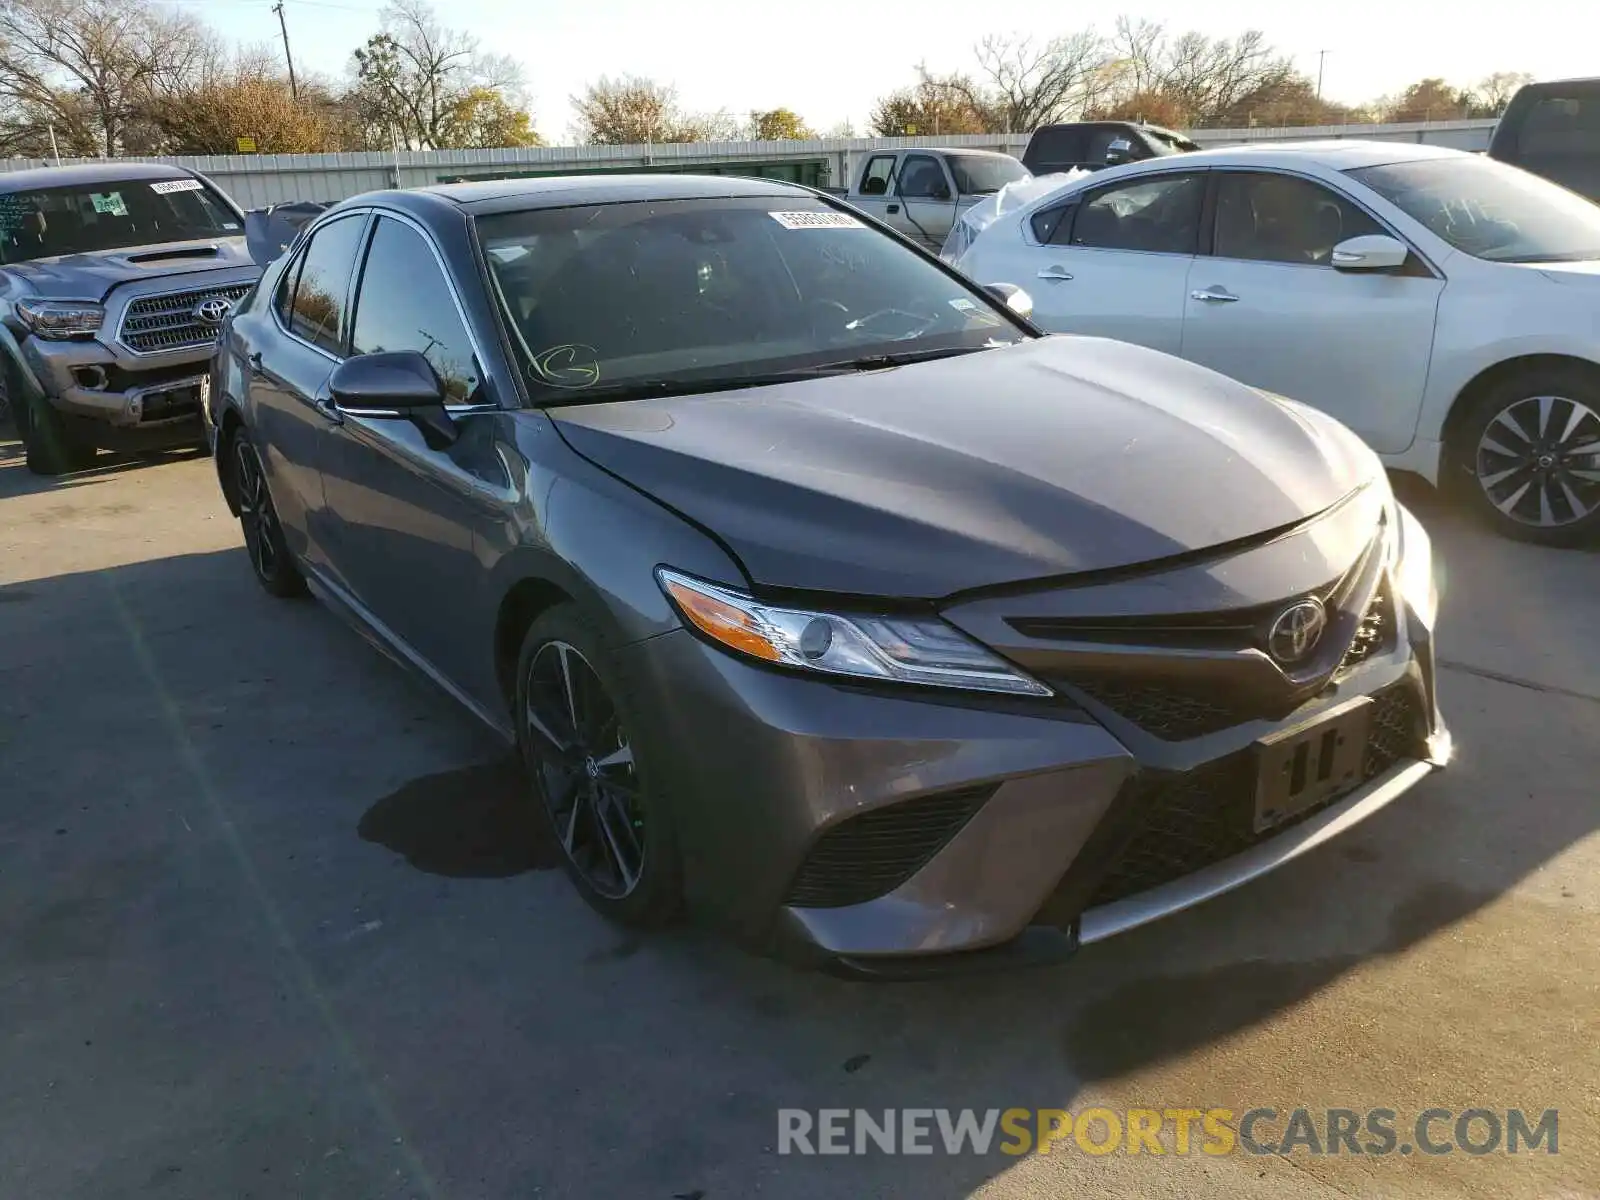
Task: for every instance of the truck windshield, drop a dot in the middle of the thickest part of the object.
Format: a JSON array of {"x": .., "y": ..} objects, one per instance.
[
  {"x": 1489, "y": 210},
  {"x": 90, "y": 217},
  {"x": 681, "y": 292},
  {"x": 983, "y": 175},
  {"x": 1164, "y": 141}
]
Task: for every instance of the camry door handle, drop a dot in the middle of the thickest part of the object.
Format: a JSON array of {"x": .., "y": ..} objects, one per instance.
[
  {"x": 1214, "y": 295},
  {"x": 1055, "y": 274},
  {"x": 894, "y": 208}
]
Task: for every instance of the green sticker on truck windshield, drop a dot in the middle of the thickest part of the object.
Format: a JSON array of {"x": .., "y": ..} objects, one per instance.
[{"x": 110, "y": 203}]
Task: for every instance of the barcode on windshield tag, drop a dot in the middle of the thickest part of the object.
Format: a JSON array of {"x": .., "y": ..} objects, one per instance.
[{"x": 816, "y": 220}]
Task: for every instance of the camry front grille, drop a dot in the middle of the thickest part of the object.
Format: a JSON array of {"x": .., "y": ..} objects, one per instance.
[
  {"x": 864, "y": 857},
  {"x": 1171, "y": 713},
  {"x": 153, "y": 324},
  {"x": 1206, "y": 815},
  {"x": 1375, "y": 634}
]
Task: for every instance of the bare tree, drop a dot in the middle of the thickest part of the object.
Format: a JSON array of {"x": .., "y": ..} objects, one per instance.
[
  {"x": 1136, "y": 55},
  {"x": 934, "y": 105},
  {"x": 1494, "y": 92},
  {"x": 85, "y": 67},
  {"x": 632, "y": 110},
  {"x": 1024, "y": 83},
  {"x": 1203, "y": 78},
  {"x": 414, "y": 76}
]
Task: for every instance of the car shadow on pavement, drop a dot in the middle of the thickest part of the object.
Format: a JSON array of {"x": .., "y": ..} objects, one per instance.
[
  {"x": 475, "y": 990},
  {"x": 475, "y": 821},
  {"x": 17, "y": 480}
]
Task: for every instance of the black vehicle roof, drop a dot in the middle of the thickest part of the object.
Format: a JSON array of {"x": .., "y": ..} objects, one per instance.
[
  {"x": 106, "y": 172},
  {"x": 1113, "y": 124},
  {"x": 1545, "y": 84}
]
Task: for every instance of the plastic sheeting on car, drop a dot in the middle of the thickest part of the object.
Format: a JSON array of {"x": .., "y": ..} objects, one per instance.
[
  {"x": 269, "y": 231},
  {"x": 988, "y": 210}
]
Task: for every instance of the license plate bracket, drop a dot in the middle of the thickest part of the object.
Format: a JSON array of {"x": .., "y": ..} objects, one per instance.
[{"x": 1300, "y": 767}]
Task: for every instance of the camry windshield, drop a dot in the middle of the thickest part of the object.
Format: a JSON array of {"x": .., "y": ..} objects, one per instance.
[
  {"x": 91, "y": 217},
  {"x": 675, "y": 292},
  {"x": 1490, "y": 210},
  {"x": 984, "y": 174}
]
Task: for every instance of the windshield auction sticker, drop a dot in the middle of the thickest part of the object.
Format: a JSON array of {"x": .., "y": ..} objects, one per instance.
[
  {"x": 816, "y": 220},
  {"x": 175, "y": 185},
  {"x": 110, "y": 203}
]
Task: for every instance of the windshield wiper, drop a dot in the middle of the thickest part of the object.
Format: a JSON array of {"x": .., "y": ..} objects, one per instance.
[
  {"x": 644, "y": 389},
  {"x": 875, "y": 362},
  {"x": 1535, "y": 259}
]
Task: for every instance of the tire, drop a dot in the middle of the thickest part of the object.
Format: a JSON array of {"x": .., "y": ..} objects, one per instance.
[
  {"x": 1513, "y": 460},
  {"x": 270, "y": 560},
  {"x": 53, "y": 447},
  {"x": 596, "y": 791}
]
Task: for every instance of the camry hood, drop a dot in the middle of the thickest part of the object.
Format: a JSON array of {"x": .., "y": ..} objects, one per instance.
[
  {"x": 92, "y": 276},
  {"x": 1047, "y": 458}
]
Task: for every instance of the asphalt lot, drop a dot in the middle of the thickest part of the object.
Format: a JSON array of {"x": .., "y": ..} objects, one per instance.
[{"x": 271, "y": 926}]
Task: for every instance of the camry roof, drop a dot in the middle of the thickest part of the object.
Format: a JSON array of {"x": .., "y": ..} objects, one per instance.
[{"x": 562, "y": 191}]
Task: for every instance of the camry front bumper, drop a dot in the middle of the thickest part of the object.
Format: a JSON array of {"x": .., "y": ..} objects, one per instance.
[{"x": 897, "y": 833}]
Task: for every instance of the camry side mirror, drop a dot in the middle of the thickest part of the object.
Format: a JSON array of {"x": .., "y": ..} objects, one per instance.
[
  {"x": 941, "y": 192},
  {"x": 1370, "y": 252},
  {"x": 1013, "y": 297},
  {"x": 393, "y": 385}
]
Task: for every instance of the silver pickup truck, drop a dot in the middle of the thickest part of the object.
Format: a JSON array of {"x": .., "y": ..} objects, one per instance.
[
  {"x": 114, "y": 281},
  {"x": 921, "y": 192}
]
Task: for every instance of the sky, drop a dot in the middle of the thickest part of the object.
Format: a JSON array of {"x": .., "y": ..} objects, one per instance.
[{"x": 830, "y": 59}]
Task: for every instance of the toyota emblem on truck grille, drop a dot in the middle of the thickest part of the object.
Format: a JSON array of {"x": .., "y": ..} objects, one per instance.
[
  {"x": 1296, "y": 631},
  {"x": 212, "y": 311}
]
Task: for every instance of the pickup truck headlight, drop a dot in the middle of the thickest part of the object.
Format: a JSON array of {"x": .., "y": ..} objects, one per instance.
[
  {"x": 1411, "y": 558},
  {"x": 899, "y": 649},
  {"x": 61, "y": 319}
]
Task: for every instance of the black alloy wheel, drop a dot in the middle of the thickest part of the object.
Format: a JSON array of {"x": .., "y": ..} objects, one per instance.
[
  {"x": 578, "y": 742},
  {"x": 263, "y": 535}
]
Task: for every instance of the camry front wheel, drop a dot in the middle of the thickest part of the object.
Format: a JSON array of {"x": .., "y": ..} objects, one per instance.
[{"x": 579, "y": 734}]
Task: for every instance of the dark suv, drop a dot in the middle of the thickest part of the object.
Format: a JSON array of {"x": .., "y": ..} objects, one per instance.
[
  {"x": 1091, "y": 145},
  {"x": 115, "y": 279},
  {"x": 1553, "y": 129}
]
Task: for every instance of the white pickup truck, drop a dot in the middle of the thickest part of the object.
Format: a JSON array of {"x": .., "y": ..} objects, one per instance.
[{"x": 921, "y": 192}]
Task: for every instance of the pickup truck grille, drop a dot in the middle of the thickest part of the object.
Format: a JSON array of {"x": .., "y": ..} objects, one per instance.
[{"x": 155, "y": 324}]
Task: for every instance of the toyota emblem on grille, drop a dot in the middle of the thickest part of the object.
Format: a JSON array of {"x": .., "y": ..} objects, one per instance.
[
  {"x": 212, "y": 311},
  {"x": 1296, "y": 630}
]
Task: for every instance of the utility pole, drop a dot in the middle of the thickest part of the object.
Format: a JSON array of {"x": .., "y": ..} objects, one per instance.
[
  {"x": 294, "y": 89},
  {"x": 1321, "y": 57}
]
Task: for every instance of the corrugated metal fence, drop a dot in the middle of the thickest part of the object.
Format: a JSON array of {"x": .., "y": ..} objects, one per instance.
[{"x": 256, "y": 180}]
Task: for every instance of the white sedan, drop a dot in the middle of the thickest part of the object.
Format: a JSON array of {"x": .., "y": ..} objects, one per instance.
[{"x": 1444, "y": 306}]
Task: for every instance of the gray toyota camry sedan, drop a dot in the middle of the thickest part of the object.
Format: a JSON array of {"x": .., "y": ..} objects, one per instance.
[{"x": 819, "y": 592}]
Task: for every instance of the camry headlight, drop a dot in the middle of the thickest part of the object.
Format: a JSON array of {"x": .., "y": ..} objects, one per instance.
[
  {"x": 901, "y": 649},
  {"x": 60, "y": 319},
  {"x": 1411, "y": 558}
]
